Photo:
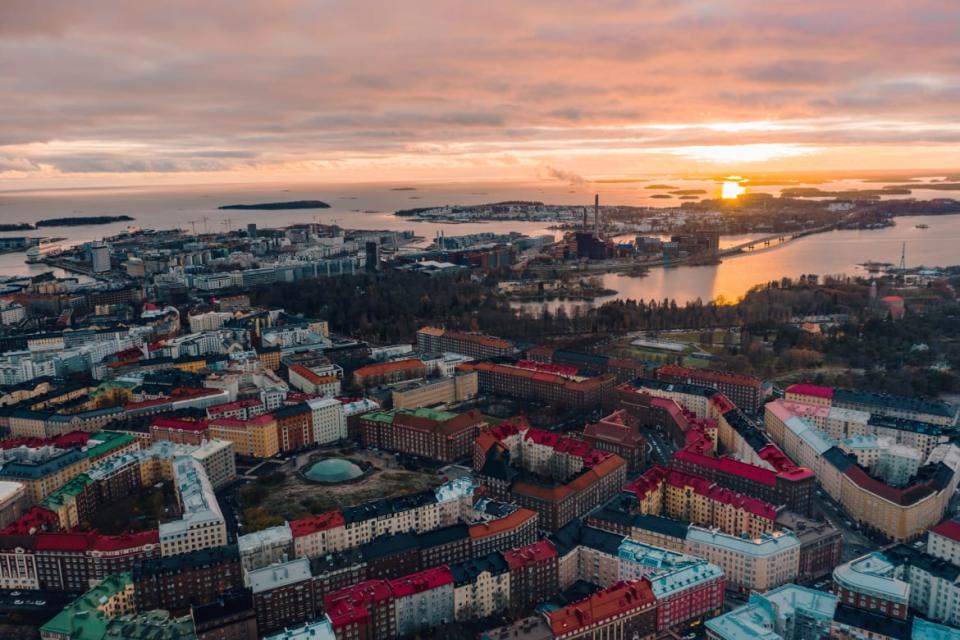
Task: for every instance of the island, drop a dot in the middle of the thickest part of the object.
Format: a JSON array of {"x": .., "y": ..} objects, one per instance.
[
  {"x": 277, "y": 206},
  {"x": 80, "y": 221},
  {"x": 16, "y": 226}
]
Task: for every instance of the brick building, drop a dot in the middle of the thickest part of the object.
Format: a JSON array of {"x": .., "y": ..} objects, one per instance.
[
  {"x": 512, "y": 459},
  {"x": 534, "y": 574},
  {"x": 283, "y": 595},
  {"x": 474, "y": 345},
  {"x": 176, "y": 583},
  {"x": 294, "y": 427},
  {"x": 573, "y": 392},
  {"x": 617, "y": 434},
  {"x": 745, "y": 391},
  {"x": 373, "y": 375},
  {"x": 429, "y": 433},
  {"x": 624, "y": 610}
]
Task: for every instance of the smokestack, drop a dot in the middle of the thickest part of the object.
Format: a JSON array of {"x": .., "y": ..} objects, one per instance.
[{"x": 596, "y": 214}]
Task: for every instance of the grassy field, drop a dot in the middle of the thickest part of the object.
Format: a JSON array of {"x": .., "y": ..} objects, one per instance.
[{"x": 285, "y": 495}]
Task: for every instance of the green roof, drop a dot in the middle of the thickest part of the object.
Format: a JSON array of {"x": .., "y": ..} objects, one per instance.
[
  {"x": 82, "y": 619},
  {"x": 108, "y": 441},
  {"x": 422, "y": 412},
  {"x": 70, "y": 490}
]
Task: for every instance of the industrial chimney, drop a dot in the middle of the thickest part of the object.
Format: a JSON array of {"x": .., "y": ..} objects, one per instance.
[{"x": 596, "y": 214}]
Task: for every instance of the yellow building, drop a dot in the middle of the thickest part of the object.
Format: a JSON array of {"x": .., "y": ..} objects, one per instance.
[{"x": 255, "y": 438}]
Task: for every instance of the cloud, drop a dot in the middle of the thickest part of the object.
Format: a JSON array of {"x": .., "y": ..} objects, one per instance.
[
  {"x": 565, "y": 176},
  {"x": 222, "y": 86}
]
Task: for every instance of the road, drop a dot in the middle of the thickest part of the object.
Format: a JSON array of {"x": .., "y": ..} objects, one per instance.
[
  {"x": 855, "y": 543},
  {"x": 660, "y": 447}
]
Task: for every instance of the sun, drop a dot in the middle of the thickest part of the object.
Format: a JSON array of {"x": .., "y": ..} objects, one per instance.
[{"x": 731, "y": 188}]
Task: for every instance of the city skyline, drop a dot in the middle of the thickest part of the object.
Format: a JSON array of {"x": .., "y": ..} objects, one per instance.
[{"x": 335, "y": 92}]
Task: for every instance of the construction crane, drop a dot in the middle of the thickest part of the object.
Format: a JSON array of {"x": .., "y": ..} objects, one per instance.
[{"x": 193, "y": 223}]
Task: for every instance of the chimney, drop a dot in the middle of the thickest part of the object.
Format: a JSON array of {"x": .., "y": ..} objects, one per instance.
[{"x": 596, "y": 214}]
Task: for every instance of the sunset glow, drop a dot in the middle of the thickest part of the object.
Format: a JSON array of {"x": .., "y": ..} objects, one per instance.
[
  {"x": 731, "y": 189},
  {"x": 360, "y": 91}
]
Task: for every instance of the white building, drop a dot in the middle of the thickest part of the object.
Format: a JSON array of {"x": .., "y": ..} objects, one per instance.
[
  {"x": 944, "y": 541},
  {"x": 100, "y": 256},
  {"x": 218, "y": 461},
  {"x": 210, "y": 321},
  {"x": 202, "y": 525},
  {"x": 329, "y": 422},
  {"x": 265, "y": 547},
  {"x": 749, "y": 564},
  {"x": 319, "y": 630}
]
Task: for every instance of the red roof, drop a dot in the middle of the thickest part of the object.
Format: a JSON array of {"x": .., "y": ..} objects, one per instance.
[
  {"x": 93, "y": 541},
  {"x": 421, "y": 581},
  {"x": 711, "y": 375},
  {"x": 350, "y": 605},
  {"x": 559, "y": 369},
  {"x": 70, "y": 440},
  {"x": 126, "y": 541},
  {"x": 311, "y": 376},
  {"x": 312, "y": 524},
  {"x": 36, "y": 519},
  {"x": 513, "y": 521},
  {"x": 410, "y": 364},
  {"x": 653, "y": 478},
  {"x": 815, "y": 390},
  {"x": 616, "y": 600},
  {"x": 948, "y": 529},
  {"x": 729, "y": 466},
  {"x": 530, "y": 554},
  {"x": 722, "y": 403},
  {"x": 232, "y": 406}
]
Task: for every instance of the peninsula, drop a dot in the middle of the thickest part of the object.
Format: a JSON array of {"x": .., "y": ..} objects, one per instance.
[{"x": 80, "y": 221}]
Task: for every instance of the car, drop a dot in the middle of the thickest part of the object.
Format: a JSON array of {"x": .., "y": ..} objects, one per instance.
[
  {"x": 18, "y": 602},
  {"x": 15, "y": 593}
]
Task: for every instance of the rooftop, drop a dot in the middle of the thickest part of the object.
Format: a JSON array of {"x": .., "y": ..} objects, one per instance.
[
  {"x": 616, "y": 600},
  {"x": 764, "y": 613},
  {"x": 673, "y": 581},
  {"x": 872, "y": 575},
  {"x": 271, "y": 536},
  {"x": 948, "y": 529},
  {"x": 279, "y": 575},
  {"x": 83, "y": 619},
  {"x": 766, "y": 545},
  {"x": 318, "y": 630}
]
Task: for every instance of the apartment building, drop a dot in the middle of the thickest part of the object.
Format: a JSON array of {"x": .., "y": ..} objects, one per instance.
[
  {"x": 749, "y": 564},
  {"x": 255, "y": 438}
]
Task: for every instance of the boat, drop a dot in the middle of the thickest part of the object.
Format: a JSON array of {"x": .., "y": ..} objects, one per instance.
[
  {"x": 922, "y": 226},
  {"x": 40, "y": 251}
]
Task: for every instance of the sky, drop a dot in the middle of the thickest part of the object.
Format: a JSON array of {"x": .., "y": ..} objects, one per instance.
[{"x": 104, "y": 93}]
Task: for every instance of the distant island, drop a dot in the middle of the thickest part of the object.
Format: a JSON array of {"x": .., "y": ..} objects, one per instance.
[
  {"x": 17, "y": 226},
  {"x": 77, "y": 222},
  {"x": 276, "y": 206}
]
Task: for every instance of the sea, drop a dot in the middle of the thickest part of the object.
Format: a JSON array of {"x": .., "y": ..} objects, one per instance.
[{"x": 372, "y": 206}]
